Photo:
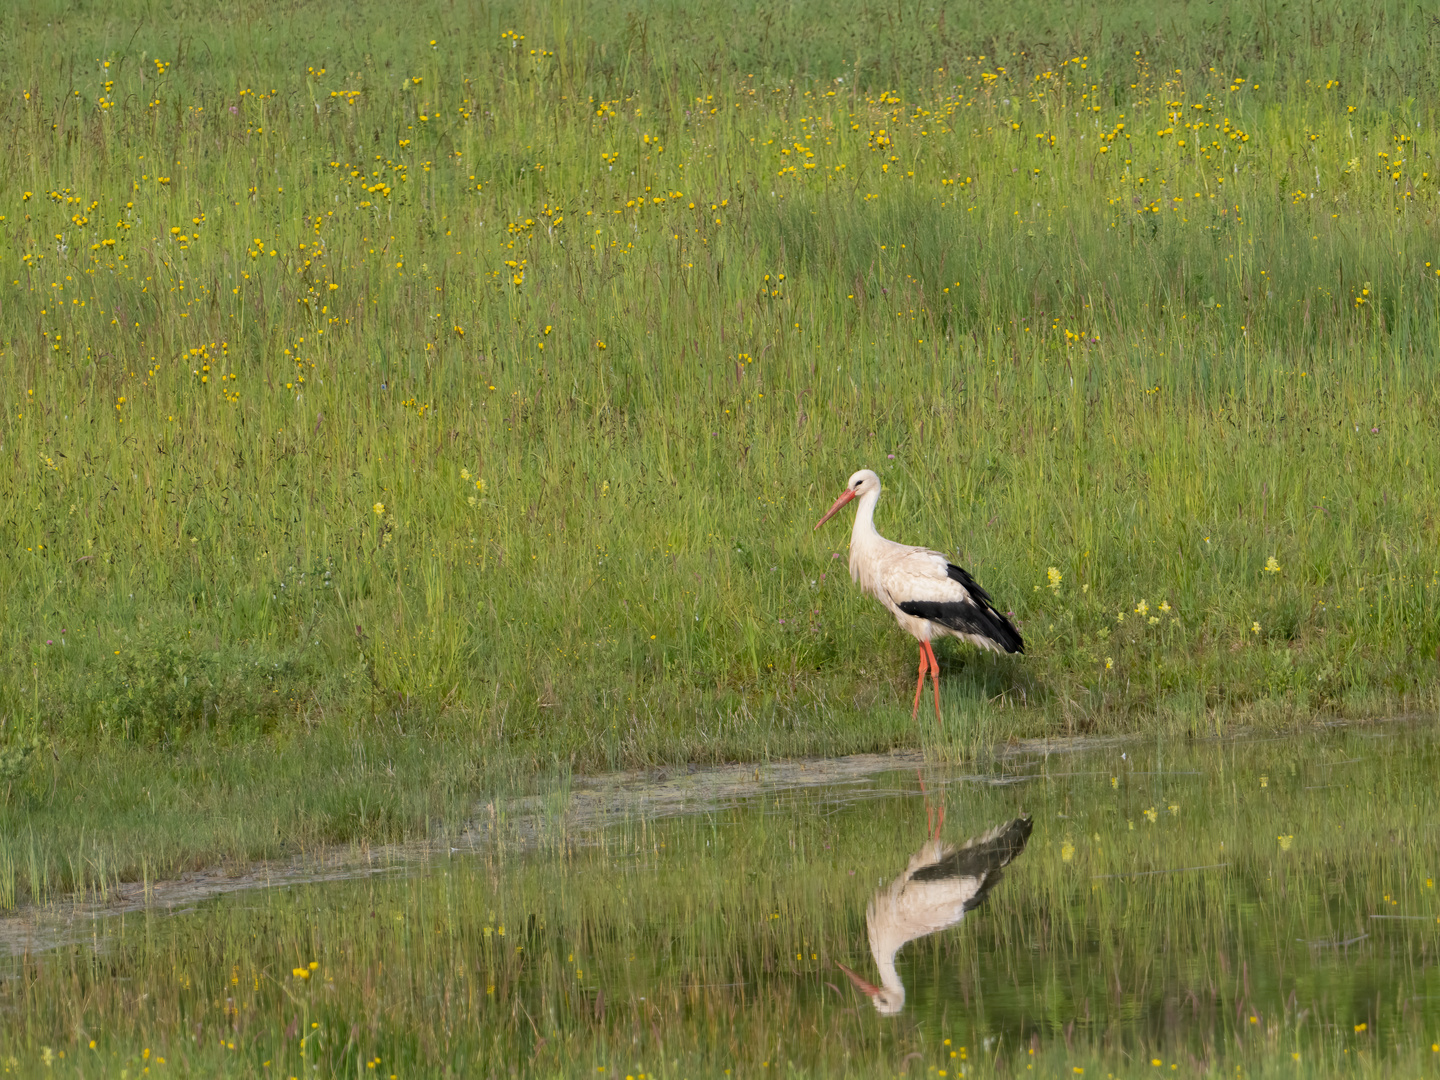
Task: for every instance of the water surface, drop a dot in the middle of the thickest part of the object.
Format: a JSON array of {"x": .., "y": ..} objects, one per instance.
[{"x": 1208, "y": 907}]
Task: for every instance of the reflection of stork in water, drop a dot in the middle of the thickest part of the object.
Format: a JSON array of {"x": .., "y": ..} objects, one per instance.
[{"x": 939, "y": 886}]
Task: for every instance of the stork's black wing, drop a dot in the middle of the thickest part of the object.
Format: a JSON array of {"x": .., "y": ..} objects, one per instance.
[{"x": 976, "y": 616}]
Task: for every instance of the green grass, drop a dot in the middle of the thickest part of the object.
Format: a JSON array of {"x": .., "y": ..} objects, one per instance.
[
  {"x": 283, "y": 288},
  {"x": 1182, "y": 904}
]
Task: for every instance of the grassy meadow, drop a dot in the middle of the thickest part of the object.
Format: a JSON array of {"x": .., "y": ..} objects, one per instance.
[{"x": 404, "y": 401}]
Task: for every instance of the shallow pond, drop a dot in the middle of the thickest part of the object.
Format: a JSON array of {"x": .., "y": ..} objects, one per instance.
[{"x": 1215, "y": 908}]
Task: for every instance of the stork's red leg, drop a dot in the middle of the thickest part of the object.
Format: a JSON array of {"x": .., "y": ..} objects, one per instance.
[
  {"x": 934, "y": 678},
  {"x": 920, "y": 682}
]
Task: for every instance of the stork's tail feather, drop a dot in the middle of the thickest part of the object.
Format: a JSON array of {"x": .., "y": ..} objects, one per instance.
[{"x": 982, "y": 857}]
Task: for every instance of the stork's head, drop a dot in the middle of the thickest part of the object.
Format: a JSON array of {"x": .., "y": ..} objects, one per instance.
[
  {"x": 888, "y": 1000},
  {"x": 860, "y": 483}
]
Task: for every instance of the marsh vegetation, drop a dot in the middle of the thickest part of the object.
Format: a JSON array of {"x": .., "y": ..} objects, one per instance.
[{"x": 409, "y": 405}]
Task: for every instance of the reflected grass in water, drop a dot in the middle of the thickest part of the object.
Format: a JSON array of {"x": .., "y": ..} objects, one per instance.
[{"x": 1211, "y": 907}]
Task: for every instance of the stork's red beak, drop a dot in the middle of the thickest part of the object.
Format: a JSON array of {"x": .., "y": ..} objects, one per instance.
[
  {"x": 860, "y": 984},
  {"x": 845, "y": 497}
]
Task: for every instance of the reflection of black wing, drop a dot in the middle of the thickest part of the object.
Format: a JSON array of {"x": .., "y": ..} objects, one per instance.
[
  {"x": 975, "y": 617},
  {"x": 981, "y": 858}
]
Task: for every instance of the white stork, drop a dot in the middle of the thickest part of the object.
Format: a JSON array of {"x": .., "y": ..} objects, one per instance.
[
  {"x": 928, "y": 595},
  {"x": 939, "y": 886}
]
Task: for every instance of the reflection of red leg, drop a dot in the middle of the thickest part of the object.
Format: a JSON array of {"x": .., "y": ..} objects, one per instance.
[
  {"x": 934, "y": 677},
  {"x": 934, "y": 816},
  {"x": 920, "y": 682},
  {"x": 929, "y": 810}
]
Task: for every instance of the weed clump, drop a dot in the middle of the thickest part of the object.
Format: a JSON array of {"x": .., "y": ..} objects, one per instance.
[{"x": 165, "y": 686}]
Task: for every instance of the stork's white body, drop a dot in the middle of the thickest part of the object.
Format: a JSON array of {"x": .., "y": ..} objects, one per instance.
[
  {"x": 929, "y": 596},
  {"x": 896, "y": 574}
]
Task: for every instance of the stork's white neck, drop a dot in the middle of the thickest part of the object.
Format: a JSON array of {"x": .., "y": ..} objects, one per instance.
[
  {"x": 865, "y": 515},
  {"x": 864, "y": 539}
]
